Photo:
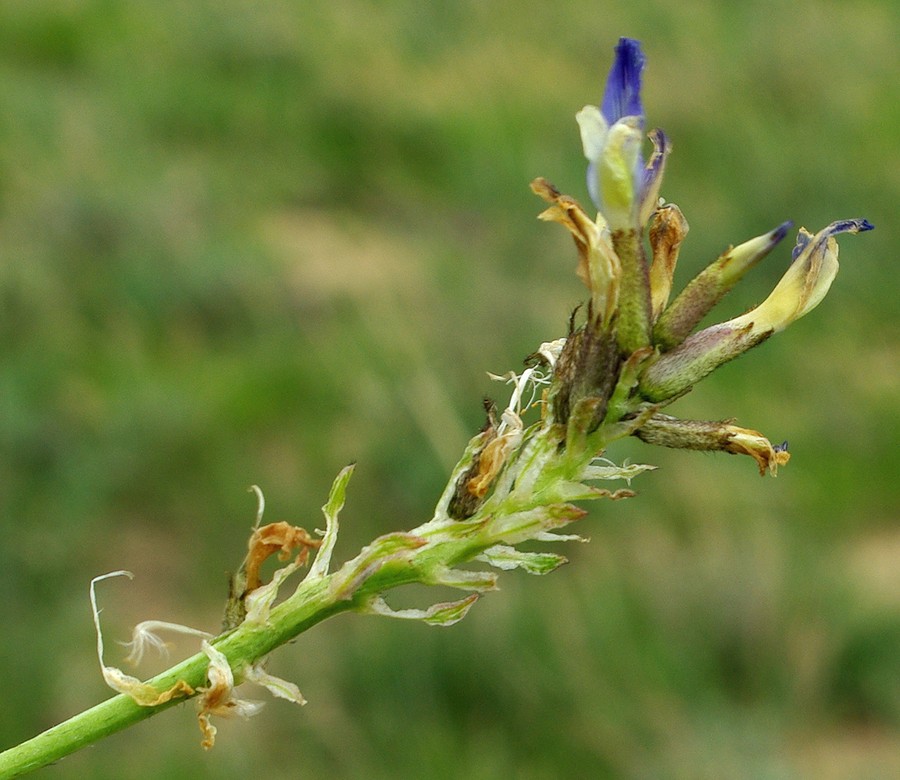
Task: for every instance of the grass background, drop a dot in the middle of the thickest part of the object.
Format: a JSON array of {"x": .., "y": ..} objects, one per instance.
[{"x": 249, "y": 242}]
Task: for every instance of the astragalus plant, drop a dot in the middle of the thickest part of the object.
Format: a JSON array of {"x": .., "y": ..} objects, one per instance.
[{"x": 628, "y": 351}]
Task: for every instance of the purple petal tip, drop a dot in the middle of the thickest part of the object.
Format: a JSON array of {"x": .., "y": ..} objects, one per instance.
[
  {"x": 850, "y": 226},
  {"x": 623, "y": 87},
  {"x": 781, "y": 231}
]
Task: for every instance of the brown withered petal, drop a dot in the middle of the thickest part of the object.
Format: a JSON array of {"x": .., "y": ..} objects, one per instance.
[
  {"x": 273, "y": 538},
  {"x": 667, "y": 230},
  {"x": 568, "y": 213}
]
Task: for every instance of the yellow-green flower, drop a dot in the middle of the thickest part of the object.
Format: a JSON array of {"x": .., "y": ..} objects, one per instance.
[{"x": 801, "y": 289}]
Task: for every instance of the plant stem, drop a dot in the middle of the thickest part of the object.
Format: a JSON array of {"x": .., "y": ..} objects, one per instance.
[
  {"x": 312, "y": 603},
  {"x": 531, "y": 500}
]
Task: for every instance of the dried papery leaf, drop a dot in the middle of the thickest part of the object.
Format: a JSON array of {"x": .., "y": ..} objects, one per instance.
[
  {"x": 627, "y": 471},
  {"x": 578, "y": 491},
  {"x": 504, "y": 557},
  {"x": 282, "y": 538},
  {"x": 480, "y": 581},
  {"x": 218, "y": 698},
  {"x": 282, "y": 689},
  {"x": 146, "y": 634},
  {"x": 547, "y": 536},
  {"x": 143, "y": 694}
]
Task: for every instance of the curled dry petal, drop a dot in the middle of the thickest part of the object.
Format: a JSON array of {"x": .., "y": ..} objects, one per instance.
[
  {"x": 146, "y": 634},
  {"x": 653, "y": 174},
  {"x": 666, "y": 232},
  {"x": 281, "y": 538},
  {"x": 746, "y": 442},
  {"x": 141, "y": 693},
  {"x": 282, "y": 689},
  {"x": 218, "y": 698},
  {"x": 598, "y": 264}
]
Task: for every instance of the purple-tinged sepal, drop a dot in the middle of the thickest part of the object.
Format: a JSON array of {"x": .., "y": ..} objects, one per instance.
[{"x": 651, "y": 179}]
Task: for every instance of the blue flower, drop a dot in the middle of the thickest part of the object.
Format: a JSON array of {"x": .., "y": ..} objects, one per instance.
[
  {"x": 623, "y": 189},
  {"x": 623, "y": 86}
]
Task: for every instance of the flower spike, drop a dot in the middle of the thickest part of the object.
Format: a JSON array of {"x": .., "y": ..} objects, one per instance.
[
  {"x": 627, "y": 353},
  {"x": 637, "y": 350}
]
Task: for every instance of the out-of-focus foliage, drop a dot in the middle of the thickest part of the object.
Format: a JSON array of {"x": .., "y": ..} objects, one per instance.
[{"x": 248, "y": 242}]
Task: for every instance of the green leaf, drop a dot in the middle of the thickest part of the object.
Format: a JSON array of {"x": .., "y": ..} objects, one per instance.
[
  {"x": 505, "y": 557},
  {"x": 444, "y": 614},
  {"x": 332, "y": 508}
]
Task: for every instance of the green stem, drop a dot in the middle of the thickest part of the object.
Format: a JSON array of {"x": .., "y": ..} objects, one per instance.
[
  {"x": 633, "y": 328},
  {"x": 425, "y": 555},
  {"x": 312, "y": 603}
]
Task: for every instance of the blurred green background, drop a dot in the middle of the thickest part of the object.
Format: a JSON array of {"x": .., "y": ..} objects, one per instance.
[{"x": 249, "y": 242}]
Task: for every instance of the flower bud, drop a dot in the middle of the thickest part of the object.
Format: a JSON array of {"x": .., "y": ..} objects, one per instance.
[
  {"x": 800, "y": 290},
  {"x": 706, "y": 289},
  {"x": 807, "y": 280},
  {"x": 611, "y": 135},
  {"x": 709, "y": 436}
]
